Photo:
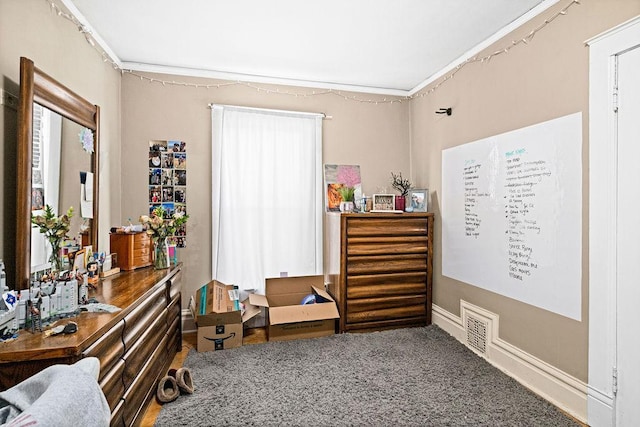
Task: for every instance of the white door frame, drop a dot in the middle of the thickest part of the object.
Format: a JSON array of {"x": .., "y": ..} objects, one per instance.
[{"x": 602, "y": 215}]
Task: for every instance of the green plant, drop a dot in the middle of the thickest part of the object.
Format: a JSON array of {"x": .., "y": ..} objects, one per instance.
[
  {"x": 346, "y": 193},
  {"x": 402, "y": 185},
  {"x": 55, "y": 229}
]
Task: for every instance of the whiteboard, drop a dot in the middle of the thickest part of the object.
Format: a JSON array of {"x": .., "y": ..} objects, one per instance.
[{"x": 512, "y": 214}]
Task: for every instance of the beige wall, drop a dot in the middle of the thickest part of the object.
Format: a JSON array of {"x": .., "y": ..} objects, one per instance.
[
  {"x": 30, "y": 28},
  {"x": 374, "y": 136},
  {"x": 546, "y": 79}
]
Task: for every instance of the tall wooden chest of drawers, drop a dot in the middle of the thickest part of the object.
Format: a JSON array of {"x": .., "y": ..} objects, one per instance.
[{"x": 385, "y": 270}]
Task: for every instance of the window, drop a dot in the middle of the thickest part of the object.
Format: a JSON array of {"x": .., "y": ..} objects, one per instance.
[{"x": 266, "y": 195}]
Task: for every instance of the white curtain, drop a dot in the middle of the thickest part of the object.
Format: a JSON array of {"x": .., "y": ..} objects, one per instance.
[{"x": 266, "y": 195}]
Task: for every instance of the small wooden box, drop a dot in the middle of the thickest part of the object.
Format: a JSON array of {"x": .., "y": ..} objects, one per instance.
[{"x": 134, "y": 249}]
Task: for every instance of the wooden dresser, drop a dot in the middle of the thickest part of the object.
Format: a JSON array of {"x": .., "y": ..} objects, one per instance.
[
  {"x": 382, "y": 269},
  {"x": 135, "y": 345}
]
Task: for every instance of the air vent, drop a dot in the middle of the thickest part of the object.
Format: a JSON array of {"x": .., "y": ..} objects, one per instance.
[{"x": 476, "y": 334}]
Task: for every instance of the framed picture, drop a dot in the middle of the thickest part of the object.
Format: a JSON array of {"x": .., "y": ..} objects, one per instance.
[
  {"x": 337, "y": 177},
  {"x": 79, "y": 261},
  {"x": 419, "y": 199},
  {"x": 383, "y": 203}
]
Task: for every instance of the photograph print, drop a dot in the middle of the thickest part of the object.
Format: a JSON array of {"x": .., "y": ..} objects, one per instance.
[
  {"x": 180, "y": 160},
  {"x": 155, "y": 176},
  {"x": 156, "y": 146},
  {"x": 419, "y": 199}
]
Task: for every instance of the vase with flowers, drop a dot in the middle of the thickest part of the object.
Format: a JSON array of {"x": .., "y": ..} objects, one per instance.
[
  {"x": 402, "y": 185},
  {"x": 55, "y": 229},
  {"x": 159, "y": 226},
  {"x": 347, "y": 195}
]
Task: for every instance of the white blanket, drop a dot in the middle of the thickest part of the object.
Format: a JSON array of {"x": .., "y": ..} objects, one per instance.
[{"x": 60, "y": 395}]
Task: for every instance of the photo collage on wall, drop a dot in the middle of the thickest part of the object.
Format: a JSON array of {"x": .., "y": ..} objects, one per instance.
[{"x": 168, "y": 182}]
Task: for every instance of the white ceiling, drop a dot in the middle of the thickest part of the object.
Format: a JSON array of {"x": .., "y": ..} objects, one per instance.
[{"x": 377, "y": 46}]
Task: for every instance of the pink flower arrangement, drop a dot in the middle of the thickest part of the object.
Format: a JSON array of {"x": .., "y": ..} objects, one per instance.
[{"x": 348, "y": 175}]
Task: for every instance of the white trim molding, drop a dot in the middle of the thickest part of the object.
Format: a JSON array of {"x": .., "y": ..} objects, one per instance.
[
  {"x": 603, "y": 171},
  {"x": 544, "y": 5},
  {"x": 563, "y": 390},
  {"x": 188, "y": 323}
]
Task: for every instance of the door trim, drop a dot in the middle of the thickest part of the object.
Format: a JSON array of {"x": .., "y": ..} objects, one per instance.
[{"x": 602, "y": 217}]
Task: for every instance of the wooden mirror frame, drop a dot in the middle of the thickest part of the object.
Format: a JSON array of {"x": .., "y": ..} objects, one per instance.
[{"x": 38, "y": 87}]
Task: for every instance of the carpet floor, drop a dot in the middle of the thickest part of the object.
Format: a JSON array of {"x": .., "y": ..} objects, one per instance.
[{"x": 402, "y": 377}]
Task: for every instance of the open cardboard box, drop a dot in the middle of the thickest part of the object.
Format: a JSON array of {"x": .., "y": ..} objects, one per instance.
[
  {"x": 216, "y": 312},
  {"x": 287, "y": 318}
]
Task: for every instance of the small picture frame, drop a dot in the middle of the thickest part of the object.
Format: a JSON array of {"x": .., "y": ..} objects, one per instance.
[
  {"x": 418, "y": 199},
  {"x": 79, "y": 260},
  {"x": 383, "y": 203}
]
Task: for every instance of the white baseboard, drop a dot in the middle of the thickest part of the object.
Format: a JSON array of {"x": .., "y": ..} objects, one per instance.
[
  {"x": 599, "y": 408},
  {"x": 566, "y": 392},
  {"x": 188, "y": 325}
]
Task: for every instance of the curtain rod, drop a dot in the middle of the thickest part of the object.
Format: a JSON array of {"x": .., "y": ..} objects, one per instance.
[{"x": 324, "y": 116}]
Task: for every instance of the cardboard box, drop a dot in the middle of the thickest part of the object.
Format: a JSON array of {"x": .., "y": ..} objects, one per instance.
[
  {"x": 287, "y": 318},
  {"x": 216, "y": 312}
]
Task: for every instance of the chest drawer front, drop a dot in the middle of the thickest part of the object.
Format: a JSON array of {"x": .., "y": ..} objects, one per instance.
[
  {"x": 174, "y": 336},
  {"x": 139, "y": 320},
  {"x": 143, "y": 388},
  {"x": 399, "y": 226},
  {"x": 382, "y": 285},
  {"x": 384, "y": 264},
  {"x": 141, "y": 241},
  {"x": 108, "y": 349},
  {"x": 386, "y": 314},
  {"x": 387, "y": 245},
  {"x": 142, "y": 253},
  {"x": 174, "y": 310},
  {"x": 175, "y": 286},
  {"x": 140, "y": 352},
  {"x": 116, "y": 415},
  {"x": 369, "y": 304},
  {"x": 112, "y": 385}
]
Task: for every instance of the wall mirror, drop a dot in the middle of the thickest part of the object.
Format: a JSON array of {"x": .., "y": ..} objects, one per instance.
[{"x": 54, "y": 167}]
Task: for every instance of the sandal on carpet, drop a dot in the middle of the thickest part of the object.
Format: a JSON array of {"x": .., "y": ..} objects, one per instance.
[
  {"x": 168, "y": 390},
  {"x": 183, "y": 379}
]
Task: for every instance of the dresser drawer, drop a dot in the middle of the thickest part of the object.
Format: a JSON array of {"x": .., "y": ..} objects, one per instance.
[
  {"x": 174, "y": 337},
  {"x": 386, "y": 264},
  {"x": 393, "y": 313},
  {"x": 400, "y": 226},
  {"x": 141, "y": 318},
  {"x": 112, "y": 385},
  {"x": 141, "y": 241},
  {"x": 141, "y": 351},
  {"x": 143, "y": 387},
  {"x": 372, "y": 304},
  {"x": 397, "y": 245},
  {"x": 382, "y": 285},
  {"x": 142, "y": 253},
  {"x": 108, "y": 349},
  {"x": 175, "y": 286},
  {"x": 174, "y": 311},
  {"x": 117, "y": 419}
]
